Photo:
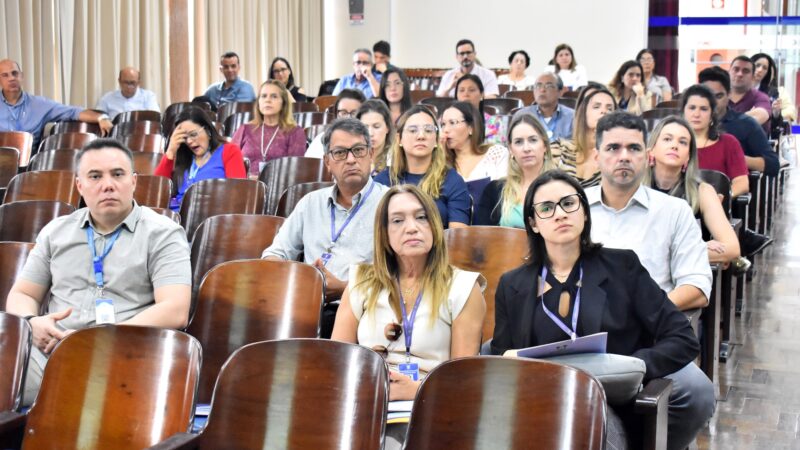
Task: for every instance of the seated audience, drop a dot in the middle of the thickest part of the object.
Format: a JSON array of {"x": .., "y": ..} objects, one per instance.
[
  {"x": 273, "y": 132},
  {"x": 590, "y": 87},
  {"x": 346, "y": 105},
  {"x": 674, "y": 171},
  {"x": 556, "y": 117},
  {"x": 396, "y": 92},
  {"x": 141, "y": 276},
  {"x": 233, "y": 88},
  {"x": 129, "y": 96},
  {"x": 716, "y": 151},
  {"x": 30, "y": 113},
  {"x": 501, "y": 201},
  {"x": 363, "y": 78},
  {"x": 746, "y": 99},
  {"x": 661, "y": 229},
  {"x": 628, "y": 90},
  {"x": 375, "y": 115},
  {"x": 765, "y": 79},
  {"x": 417, "y": 158},
  {"x": 196, "y": 152},
  {"x": 572, "y": 287},
  {"x": 563, "y": 64},
  {"x": 654, "y": 82},
  {"x": 469, "y": 88},
  {"x": 466, "y": 56},
  {"x": 516, "y": 77},
  {"x": 382, "y": 51},
  {"x": 281, "y": 70},
  {"x": 577, "y": 156}
]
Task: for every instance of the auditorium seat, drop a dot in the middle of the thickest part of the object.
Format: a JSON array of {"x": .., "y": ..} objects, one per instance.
[
  {"x": 9, "y": 166},
  {"x": 528, "y": 97},
  {"x": 228, "y": 109},
  {"x": 167, "y": 212},
  {"x": 15, "y": 345},
  {"x": 213, "y": 197},
  {"x": 313, "y": 131},
  {"x": 298, "y": 107},
  {"x": 503, "y": 105},
  {"x": 123, "y": 129},
  {"x": 12, "y": 259},
  {"x": 153, "y": 190},
  {"x": 234, "y": 121},
  {"x": 307, "y": 119},
  {"x": 280, "y": 173},
  {"x": 660, "y": 113},
  {"x": 420, "y": 94},
  {"x": 292, "y": 195},
  {"x": 75, "y": 126},
  {"x": 21, "y": 141},
  {"x": 61, "y": 159},
  {"x": 137, "y": 116},
  {"x": 323, "y": 102},
  {"x": 22, "y": 221},
  {"x": 440, "y": 103},
  {"x": 66, "y": 140},
  {"x": 568, "y": 102},
  {"x": 145, "y": 163},
  {"x": 44, "y": 185},
  {"x": 675, "y": 104},
  {"x": 148, "y": 143}
]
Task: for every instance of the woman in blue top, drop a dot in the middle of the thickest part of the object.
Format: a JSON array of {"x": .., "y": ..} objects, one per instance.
[
  {"x": 418, "y": 159},
  {"x": 195, "y": 152}
]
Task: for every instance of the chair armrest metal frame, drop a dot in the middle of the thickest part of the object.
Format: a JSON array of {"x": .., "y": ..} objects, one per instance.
[{"x": 652, "y": 403}]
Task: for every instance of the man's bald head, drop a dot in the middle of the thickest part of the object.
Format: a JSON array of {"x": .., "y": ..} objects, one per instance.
[
  {"x": 10, "y": 79},
  {"x": 128, "y": 81}
]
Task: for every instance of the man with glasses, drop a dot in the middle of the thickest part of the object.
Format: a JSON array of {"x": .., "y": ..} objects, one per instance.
[
  {"x": 746, "y": 99},
  {"x": 333, "y": 227},
  {"x": 129, "y": 96},
  {"x": 233, "y": 88},
  {"x": 466, "y": 56},
  {"x": 556, "y": 118},
  {"x": 363, "y": 77},
  {"x": 346, "y": 105}
]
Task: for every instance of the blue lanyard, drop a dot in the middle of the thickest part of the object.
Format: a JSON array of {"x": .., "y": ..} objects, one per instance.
[
  {"x": 553, "y": 121},
  {"x": 572, "y": 333},
  {"x": 335, "y": 235},
  {"x": 97, "y": 261},
  {"x": 408, "y": 323},
  {"x": 193, "y": 171}
]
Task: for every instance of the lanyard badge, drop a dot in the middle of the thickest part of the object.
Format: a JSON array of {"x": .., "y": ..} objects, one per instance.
[
  {"x": 409, "y": 369},
  {"x": 572, "y": 333},
  {"x": 335, "y": 235},
  {"x": 104, "y": 307}
]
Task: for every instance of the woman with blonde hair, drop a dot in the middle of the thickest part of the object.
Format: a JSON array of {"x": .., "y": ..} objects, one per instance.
[
  {"x": 501, "y": 201},
  {"x": 418, "y": 159},
  {"x": 273, "y": 132}
]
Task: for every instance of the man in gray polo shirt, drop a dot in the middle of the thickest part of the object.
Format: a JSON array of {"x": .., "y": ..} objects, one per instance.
[
  {"x": 111, "y": 262},
  {"x": 333, "y": 227}
]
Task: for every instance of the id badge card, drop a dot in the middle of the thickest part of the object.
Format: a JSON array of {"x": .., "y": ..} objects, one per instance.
[
  {"x": 410, "y": 370},
  {"x": 261, "y": 165},
  {"x": 104, "y": 311},
  {"x": 326, "y": 258}
]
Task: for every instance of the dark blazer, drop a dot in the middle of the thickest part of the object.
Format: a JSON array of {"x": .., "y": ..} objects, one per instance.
[
  {"x": 618, "y": 296},
  {"x": 490, "y": 205}
]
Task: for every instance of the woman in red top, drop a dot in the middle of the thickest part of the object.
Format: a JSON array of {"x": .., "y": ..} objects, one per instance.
[
  {"x": 716, "y": 150},
  {"x": 195, "y": 152}
]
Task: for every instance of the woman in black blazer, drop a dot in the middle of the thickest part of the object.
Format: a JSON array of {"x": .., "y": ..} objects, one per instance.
[{"x": 609, "y": 290}]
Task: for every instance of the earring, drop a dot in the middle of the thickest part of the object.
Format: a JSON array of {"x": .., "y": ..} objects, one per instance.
[
  {"x": 684, "y": 166},
  {"x": 651, "y": 160}
]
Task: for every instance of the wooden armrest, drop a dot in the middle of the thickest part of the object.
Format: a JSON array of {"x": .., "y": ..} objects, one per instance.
[
  {"x": 179, "y": 441},
  {"x": 653, "y": 397},
  {"x": 12, "y": 427}
]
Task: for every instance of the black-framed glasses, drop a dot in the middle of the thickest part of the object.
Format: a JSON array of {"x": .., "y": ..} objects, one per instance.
[
  {"x": 340, "y": 153},
  {"x": 568, "y": 203}
]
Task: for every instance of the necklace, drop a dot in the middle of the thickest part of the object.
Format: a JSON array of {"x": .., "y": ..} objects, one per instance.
[{"x": 409, "y": 290}]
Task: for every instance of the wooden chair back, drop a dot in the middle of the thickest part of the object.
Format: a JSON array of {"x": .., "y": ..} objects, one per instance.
[
  {"x": 9, "y": 165},
  {"x": 61, "y": 159},
  {"x": 167, "y": 212},
  {"x": 153, "y": 190},
  {"x": 213, "y": 197},
  {"x": 236, "y": 120},
  {"x": 270, "y": 394},
  {"x": 298, "y": 107},
  {"x": 145, "y": 163},
  {"x": 722, "y": 184},
  {"x": 421, "y": 94},
  {"x": 568, "y": 102},
  {"x": 21, "y": 141},
  {"x": 137, "y": 116},
  {"x": 440, "y": 103},
  {"x": 294, "y": 193},
  {"x": 23, "y": 220},
  {"x": 572, "y": 94},
  {"x": 508, "y": 403},
  {"x": 660, "y": 113},
  {"x": 66, "y": 140},
  {"x": 228, "y": 109},
  {"x": 307, "y": 119},
  {"x": 15, "y": 346},
  {"x": 123, "y": 129},
  {"x": 503, "y": 105},
  {"x": 44, "y": 185},
  {"x": 313, "y": 131},
  {"x": 325, "y": 101},
  {"x": 676, "y": 104},
  {"x": 528, "y": 97},
  {"x": 246, "y": 301},
  {"x": 280, "y": 173},
  {"x": 149, "y": 143},
  {"x": 12, "y": 259},
  {"x": 121, "y": 387},
  {"x": 75, "y": 126},
  {"x": 492, "y": 251}
]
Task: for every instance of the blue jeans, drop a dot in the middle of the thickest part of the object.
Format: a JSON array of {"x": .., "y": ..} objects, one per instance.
[{"x": 691, "y": 405}]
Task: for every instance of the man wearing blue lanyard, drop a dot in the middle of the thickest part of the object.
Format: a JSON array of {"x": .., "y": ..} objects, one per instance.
[
  {"x": 333, "y": 227},
  {"x": 556, "y": 118},
  {"x": 21, "y": 111},
  {"x": 113, "y": 262}
]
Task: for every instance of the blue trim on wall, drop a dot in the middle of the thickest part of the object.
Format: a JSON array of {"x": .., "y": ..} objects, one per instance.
[{"x": 674, "y": 21}]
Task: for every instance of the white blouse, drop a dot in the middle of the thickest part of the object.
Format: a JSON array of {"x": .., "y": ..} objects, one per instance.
[
  {"x": 493, "y": 165},
  {"x": 574, "y": 78},
  {"x": 522, "y": 84}
]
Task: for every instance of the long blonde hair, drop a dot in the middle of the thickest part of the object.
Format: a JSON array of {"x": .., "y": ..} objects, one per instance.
[
  {"x": 384, "y": 271},
  {"x": 433, "y": 180},
  {"x": 285, "y": 117},
  {"x": 512, "y": 190},
  {"x": 688, "y": 188},
  {"x": 581, "y": 133}
]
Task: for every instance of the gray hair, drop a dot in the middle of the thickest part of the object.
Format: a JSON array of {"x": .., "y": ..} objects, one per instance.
[
  {"x": 363, "y": 50},
  {"x": 556, "y": 78},
  {"x": 349, "y": 125},
  {"x": 102, "y": 144}
]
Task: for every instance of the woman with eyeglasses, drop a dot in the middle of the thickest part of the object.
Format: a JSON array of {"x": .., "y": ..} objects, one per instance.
[
  {"x": 375, "y": 115},
  {"x": 395, "y": 92},
  {"x": 628, "y": 90},
  {"x": 273, "y": 132},
  {"x": 469, "y": 88},
  {"x": 572, "y": 287},
  {"x": 281, "y": 70},
  {"x": 501, "y": 201},
  {"x": 655, "y": 83},
  {"x": 418, "y": 159},
  {"x": 196, "y": 152}
]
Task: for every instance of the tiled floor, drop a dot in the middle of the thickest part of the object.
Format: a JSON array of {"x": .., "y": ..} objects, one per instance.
[{"x": 762, "y": 379}]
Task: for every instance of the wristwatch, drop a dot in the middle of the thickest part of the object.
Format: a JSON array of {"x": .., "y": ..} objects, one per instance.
[{"x": 103, "y": 117}]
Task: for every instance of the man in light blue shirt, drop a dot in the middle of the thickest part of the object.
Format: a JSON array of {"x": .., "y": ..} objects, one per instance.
[
  {"x": 363, "y": 77},
  {"x": 233, "y": 89},
  {"x": 556, "y": 118},
  {"x": 21, "y": 111},
  {"x": 129, "y": 96}
]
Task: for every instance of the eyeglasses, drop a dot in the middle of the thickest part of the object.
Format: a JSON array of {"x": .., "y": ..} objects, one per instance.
[
  {"x": 340, "y": 154},
  {"x": 343, "y": 113},
  {"x": 545, "y": 86},
  {"x": 396, "y": 84},
  {"x": 569, "y": 203},
  {"x": 362, "y": 63},
  {"x": 451, "y": 123},
  {"x": 284, "y": 69},
  {"x": 464, "y": 54},
  {"x": 195, "y": 134},
  {"x": 428, "y": 130}
]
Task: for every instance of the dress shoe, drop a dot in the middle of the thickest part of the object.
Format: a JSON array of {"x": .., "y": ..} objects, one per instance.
[{"x": 752, "y": 243}]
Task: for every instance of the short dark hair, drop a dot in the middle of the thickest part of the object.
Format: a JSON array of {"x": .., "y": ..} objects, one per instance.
[
  {"x": 619, "y": 119},
  {"x": 536, "y": 245},
  {"x": 523, "y": 53},
  {"x": 102, "y": 144},
  {"x": 227, "y": 55},
  {"x": 382, "y": 47},
  {"x": 698, "y": 90},
  {"x": 715, "y": 74},
  {"x": 745, "y": 59},
  {"x": 348, "y": 125},
  {"x": 353, "y": 94},
  {"x": 464, "y": 42}
]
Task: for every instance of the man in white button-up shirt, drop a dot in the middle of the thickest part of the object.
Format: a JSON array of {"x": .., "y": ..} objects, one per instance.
[
  {"x": 659, "y": 228},
  {"x": 129, "y": 96}
]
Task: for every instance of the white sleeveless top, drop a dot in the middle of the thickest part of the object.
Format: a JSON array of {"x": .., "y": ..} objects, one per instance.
[{"x": 430, "y": 344}]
